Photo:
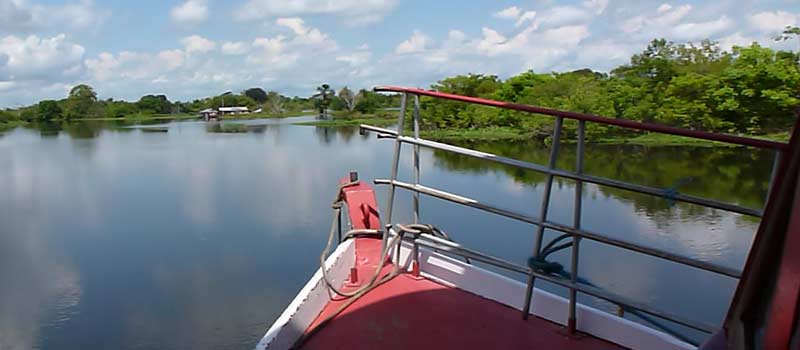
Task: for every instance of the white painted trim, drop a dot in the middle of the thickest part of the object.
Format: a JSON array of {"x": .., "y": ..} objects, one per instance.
[
  {"x": 310, "y": 301},
  {"x": 455, "y": 273}
]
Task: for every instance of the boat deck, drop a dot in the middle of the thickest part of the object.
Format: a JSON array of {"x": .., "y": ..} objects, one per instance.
[{"x": 417, "y": 313}]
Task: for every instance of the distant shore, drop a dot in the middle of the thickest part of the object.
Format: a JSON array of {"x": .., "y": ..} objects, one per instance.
[{"x": 389, "y": 118}]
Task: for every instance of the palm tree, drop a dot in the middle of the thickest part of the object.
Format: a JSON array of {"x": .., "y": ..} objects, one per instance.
[{"x": 323, "y": 96}]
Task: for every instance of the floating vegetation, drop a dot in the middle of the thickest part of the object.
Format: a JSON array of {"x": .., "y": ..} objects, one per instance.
[
  {"x": 155, "y": 129},
  {"x": 228, "y": 128}
]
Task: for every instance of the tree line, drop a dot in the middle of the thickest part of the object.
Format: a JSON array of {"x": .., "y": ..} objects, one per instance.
[
  {"x": 82, "y": 102},
  {"x": 749, "y": 90}
]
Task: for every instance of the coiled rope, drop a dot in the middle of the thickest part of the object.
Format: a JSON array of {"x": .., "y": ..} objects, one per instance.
[{"x": 374, "y": 281}]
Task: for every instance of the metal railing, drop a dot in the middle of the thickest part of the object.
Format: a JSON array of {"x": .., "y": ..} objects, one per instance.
[{"x": 575, "y": 232}]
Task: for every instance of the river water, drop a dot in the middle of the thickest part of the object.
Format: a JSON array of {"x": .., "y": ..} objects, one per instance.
[{"x": 118, "y": 238}]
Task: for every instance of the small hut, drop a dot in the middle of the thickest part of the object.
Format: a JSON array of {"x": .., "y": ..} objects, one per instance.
[
  {"x": 208, "y": 114},
  {"x": 233, "y": 110}
]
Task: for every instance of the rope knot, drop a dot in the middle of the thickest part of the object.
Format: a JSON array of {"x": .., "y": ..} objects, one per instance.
[{"x": 541, "y": 265}]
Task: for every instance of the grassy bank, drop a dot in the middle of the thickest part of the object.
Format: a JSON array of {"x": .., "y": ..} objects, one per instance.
[
  {"x": 653, "y": 139},
  {"x": 514, "y": 134},
  {"x": 140, "y": 117},
  {"x": 11, "y": 124},
  {"x": 185, "y": 116}
]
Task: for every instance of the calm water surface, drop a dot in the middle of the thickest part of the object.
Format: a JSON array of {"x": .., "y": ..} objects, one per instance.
[{"x": 117, "y": 238}]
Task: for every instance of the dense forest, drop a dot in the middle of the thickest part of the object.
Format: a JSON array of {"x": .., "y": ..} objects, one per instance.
[{"x": 750, "y": 90}]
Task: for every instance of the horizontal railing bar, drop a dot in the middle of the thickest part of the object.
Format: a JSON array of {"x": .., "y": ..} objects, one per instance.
[
  {"x": 494, "y": 260},
  {"x": 569, "y": 175},
  {"x": 630, "y": 124},
  {"x": 589, "y": 290},
  {"x": 702, "y": 265}
]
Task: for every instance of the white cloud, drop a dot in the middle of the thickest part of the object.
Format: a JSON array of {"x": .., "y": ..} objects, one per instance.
[
  {"x": 35, "y": 58},
  {"x": 304, "y": 34},
  {"x": 516, "y": 14},
  {"x": 455, "y": 39},
  {"x": 666, "y": 16},
  {"x": 597, "y": 6},
  {"x": 492, "y": 42},
  {"x": 526, "y": 16},
  {"x": 508, "y": 13},
  {"x": 670, "y": 22},
  {"x": 701, "y": 30},
  {"x": 19, "y": 16},
  {"x": 234, "y": 48},
  {"x": 416, "y": 43},
  {"x": 6, "y": 85},
  {"x": 352, "y": 12},
  {"x": 14, "y": 17},
  {"x": 103, "y": 67},
  {"x": 604, "y": 54},
  {"x": 564, "y": 15},
  {"x": 196, "y": 43},
  {"x": 735, "y": 39},
  {"x": 190, "y": 12},
  {"x": 356, "y": 58},
  {"x": 133, "y": 65},
  {"x": 281, "y": 52},
  {"x": 171, "y": 59},
  {"x": 773, "y": 21}
]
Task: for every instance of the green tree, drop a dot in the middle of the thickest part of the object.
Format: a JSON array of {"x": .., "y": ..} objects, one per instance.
[
  {"x": 450, "y": 114},
  {"x": 80, "y": 101},
  {"x": 257, "y": 94},
  {"x": 758, "y": 91},
  {"x": 48, "y": 110},
  {"x": 369, "y": 102},
  {"x": 119, "y": 109},
  {"x": 154, "y": 104},
  {"x": 231, "y": 100},
  {"x": 323, "y": 98}
]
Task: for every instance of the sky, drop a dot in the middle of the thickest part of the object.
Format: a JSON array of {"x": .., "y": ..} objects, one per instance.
[{"x": 190, "y": 49}]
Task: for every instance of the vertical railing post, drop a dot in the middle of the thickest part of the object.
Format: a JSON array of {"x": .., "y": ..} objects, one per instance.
[
  {"x": 551, "y": 164},
  {"x": 395, "y": 164},
  {"x": 416, "y": 158},
  {"x": 576, "y": 223},
  {"x": 415, "y": 248}
]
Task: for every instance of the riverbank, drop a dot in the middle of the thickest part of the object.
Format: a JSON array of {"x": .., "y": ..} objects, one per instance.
[
  {"x": 10, "y": 125},
  {"x": 185, "y": 116},
  {"x": 151, "y": 118},
  {"x": 389, "y": 118},
  {"x": 513, "y": 134}
]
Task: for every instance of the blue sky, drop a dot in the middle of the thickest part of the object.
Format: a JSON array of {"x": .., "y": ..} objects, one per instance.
[{"x": 194, "y": 48}]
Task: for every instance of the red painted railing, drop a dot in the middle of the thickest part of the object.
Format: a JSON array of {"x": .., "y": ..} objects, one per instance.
[{"x": 630, "y": 124}]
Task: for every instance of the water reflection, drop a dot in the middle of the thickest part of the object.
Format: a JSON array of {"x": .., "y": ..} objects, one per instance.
[
  {"x": 734, "y": 175},
  {"x": 117, "y": 238},
  {"x": 40, "y": 285}
]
